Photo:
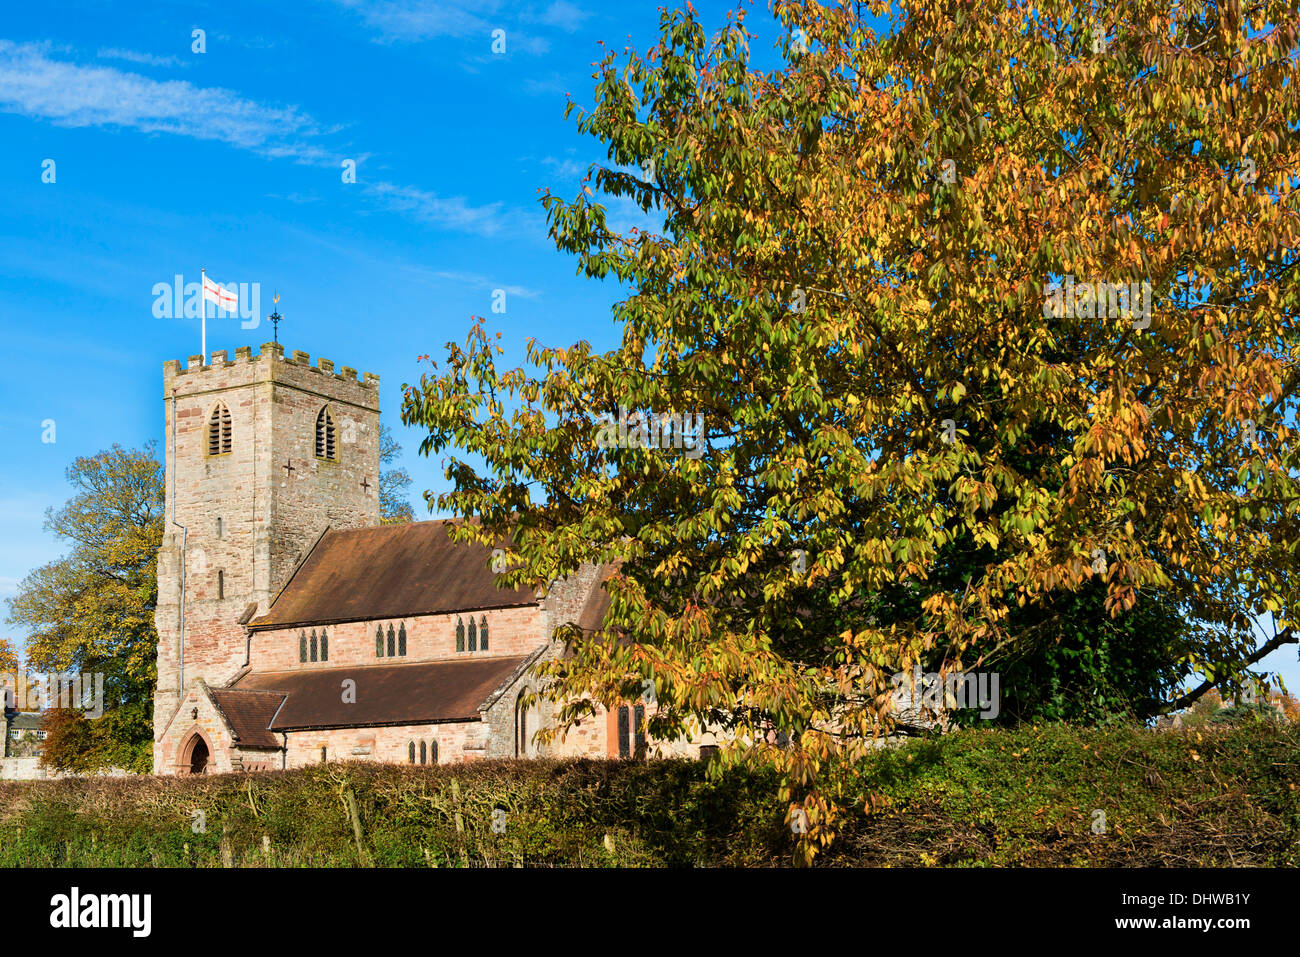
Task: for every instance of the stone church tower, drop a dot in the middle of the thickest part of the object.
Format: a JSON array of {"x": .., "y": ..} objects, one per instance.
[{"x": 263, "y": 454}]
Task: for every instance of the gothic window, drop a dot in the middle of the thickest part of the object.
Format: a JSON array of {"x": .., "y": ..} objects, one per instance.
[
  {"x": 313, "y": 644},
  {"x": 473, "y": 634},
  {"x": 638, "y": 731},
  {"x": 482, "y": 634},
  {"x": 323, "y": 757},
  {"x": 433, "y": 752},
  {"x": 521, "y": 726},
  {"x": 631, "y": 731},
  {"x": 411, "y": 751},
  {"x": 302, "y": 646},
  {"x": 221, "y": 584},
  {"x": 325, "y": 447},
  {"x": 324, "y": 646},
  {"x": 392, "y": 642},
  {"x": 219, "y": 430},
  {"x": 401, "y": 643},
  {"x": 424, "y": 753},
  {"x": 379, "y": 641},
  {"x": 460, "y": 635}
]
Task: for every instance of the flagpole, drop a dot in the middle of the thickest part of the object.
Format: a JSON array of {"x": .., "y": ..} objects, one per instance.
[{"x": 203, "y": 311}]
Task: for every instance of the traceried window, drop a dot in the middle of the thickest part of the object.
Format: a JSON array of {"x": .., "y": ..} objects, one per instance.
[
  {"x": 392, "y": 642},
  {"x": 313, "y": 644},
  {"x": 379, "y": 641},
  {"x": 424, "y": 753},
  {"x": 410, "y": 749},
  {"x": 401, "y": 643},
  {"x": 482, "y": 633},
  {"x": 219, "y": 430},
  {"x": 302, "y": 647},
  {"x": 433, "y": 752},
  {"x": 324, "y": 646},
  {"x": 460, "y": 635},
  {"x": 325, "y": 445},
  {"x": 473, "y": 635}
]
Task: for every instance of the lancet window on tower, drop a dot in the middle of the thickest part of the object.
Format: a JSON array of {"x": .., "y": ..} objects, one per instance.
[
  {"x": 219, "y": 430},
  {"x": 325, "y": 445}
]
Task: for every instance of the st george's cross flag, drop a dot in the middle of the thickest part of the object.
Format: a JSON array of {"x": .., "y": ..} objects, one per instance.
[{"x": 226, "y": 299}]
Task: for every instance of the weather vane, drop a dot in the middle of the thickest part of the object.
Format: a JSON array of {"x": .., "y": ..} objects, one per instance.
[{"x": 275, "y": 318}]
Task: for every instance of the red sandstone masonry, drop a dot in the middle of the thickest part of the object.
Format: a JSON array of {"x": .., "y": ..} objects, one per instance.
[
  {"x": 511, "y": 631},
  {"x": 269, "y": 515}
]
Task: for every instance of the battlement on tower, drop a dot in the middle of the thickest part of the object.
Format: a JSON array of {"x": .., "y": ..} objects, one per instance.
[{"x": 271, "y": 365}]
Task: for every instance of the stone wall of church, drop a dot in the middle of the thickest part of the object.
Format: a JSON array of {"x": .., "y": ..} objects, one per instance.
[
  {"x": 459, "y": 741},
  {"x": 247, "y": 519},
  {"x": 511, "y": 631},
  {"x": 196, "y": 716}
]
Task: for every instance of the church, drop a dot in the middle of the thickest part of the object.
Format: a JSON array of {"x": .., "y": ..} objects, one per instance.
[{"x": 294, "y": 628}]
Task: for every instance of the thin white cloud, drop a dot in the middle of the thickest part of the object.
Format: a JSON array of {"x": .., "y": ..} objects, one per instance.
[
  {"x": 68, "y": 94},
  {"x": 132, "y": 56},
  {"x": 567, "y": 169},
  {"x": 564, "y": 15},
  {"x": 452, "y": 212},
  {"x": 413, "y": 21},
  {"x": 34, "y": 85},
  {"x": 476, "y": 281}
]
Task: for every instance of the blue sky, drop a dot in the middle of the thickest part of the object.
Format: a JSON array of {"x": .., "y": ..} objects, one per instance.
[{"x": 167, "y": 160}]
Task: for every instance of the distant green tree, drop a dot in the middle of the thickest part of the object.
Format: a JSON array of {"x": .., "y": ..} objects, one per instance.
[{"x": 92, "y": 610}]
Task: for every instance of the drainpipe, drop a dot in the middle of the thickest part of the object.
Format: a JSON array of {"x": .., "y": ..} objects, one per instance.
[{"x": 185, "y": 534}]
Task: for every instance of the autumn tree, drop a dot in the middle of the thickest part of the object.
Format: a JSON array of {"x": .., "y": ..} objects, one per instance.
[
  {"x": 92, "y": 610},
  {"x": 979, "y": 313},
  {"x": 394, "y": 505}
]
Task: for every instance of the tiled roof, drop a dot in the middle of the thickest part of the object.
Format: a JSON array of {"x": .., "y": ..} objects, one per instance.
[
  {"x": 388, "y": 571},
  {"x": 421, "y": 693},
  {"x": 249, "y": 715},
  {"x": 26, "y": 721}
]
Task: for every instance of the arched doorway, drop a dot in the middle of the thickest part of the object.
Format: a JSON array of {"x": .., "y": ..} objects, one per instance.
[{"x": 195, "y": 756}]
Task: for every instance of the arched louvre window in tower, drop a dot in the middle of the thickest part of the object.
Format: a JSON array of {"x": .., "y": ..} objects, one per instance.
[
  {"x": 325, "y": 446},
  {"x": 401, "y": 645},
  {"x": 473, "y": 634},
  {"x": 392, "y": 642},
  {"x": 219, "y": 430},
  {"x": 460, "y": 635},
  {"x": 482, "y": 633}
]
